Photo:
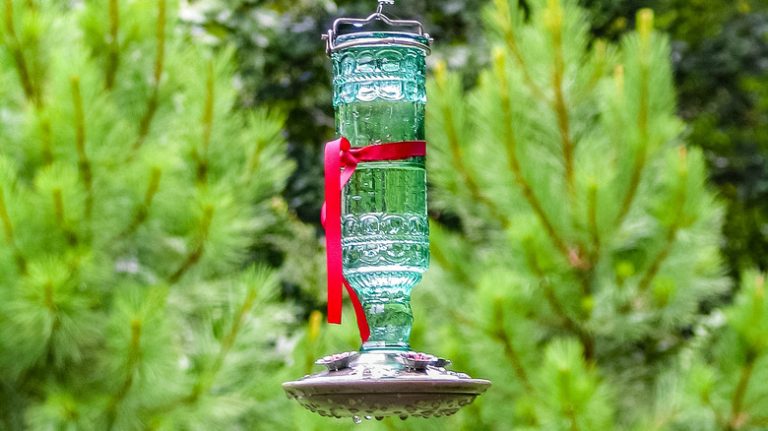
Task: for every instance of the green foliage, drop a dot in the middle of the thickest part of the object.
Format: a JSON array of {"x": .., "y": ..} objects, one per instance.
[
  {"x": 716, "y": 383},
  {"x": 720, "y": 49},
  {"x": 130, "y": 194},
  {"x": 587, "y": 217}
]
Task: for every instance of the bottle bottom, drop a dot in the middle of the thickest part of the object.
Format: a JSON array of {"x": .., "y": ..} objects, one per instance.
[{"x": 386, "y": 300}]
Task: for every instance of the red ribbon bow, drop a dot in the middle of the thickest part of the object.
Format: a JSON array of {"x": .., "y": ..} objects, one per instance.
[{"x": 340, "y": 163}]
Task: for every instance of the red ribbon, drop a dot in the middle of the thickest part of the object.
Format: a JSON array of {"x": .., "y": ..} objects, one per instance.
[{"x": 340, "y": 163}]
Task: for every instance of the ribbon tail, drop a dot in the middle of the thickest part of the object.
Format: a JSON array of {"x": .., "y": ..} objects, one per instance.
[
  {"x": 362, "y": 322},
  {"x": 332, "y": 224}
]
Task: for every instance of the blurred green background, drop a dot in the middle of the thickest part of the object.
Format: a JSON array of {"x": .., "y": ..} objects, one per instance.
[{"x": 162, "y": 262}]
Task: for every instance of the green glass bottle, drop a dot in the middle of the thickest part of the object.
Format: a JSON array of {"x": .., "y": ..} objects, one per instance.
[{"x": 379, "y": 97}]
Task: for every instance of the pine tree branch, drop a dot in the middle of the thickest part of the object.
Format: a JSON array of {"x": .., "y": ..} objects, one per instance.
[
  {"x": 645, "y": 25},
  {"x": 50, "y": 304},
  {"x": 514, "y": 358},
  {"x": 587, "y": 340},
  {"x": 253, "y": 163},
  {"x": 194, "y": 257},
  {"x": 456, "y": 153},
  {"x": 640, "y": 158},
  {"x": 134, "y": 354},
  {"x": 113, "y": 57},
  {"x": 22, "y": 68},
  {"x": 571, "y": 325},
  {"x": 759, "y": 421},
  {"x": 499, "y": 333},
  {"x": 141, "y": 212},
  {"x": 502, "y": 6},
  {"x": 58, "y": 209},
  {"x": 565, "y": 396},
  {"x": 514, "y": 163},
  {"x": 549, "y": 293},
  {"x": 559, "y": 104},
  {"x": 739, "y": 417},
  {"x": 207, "y": 377},
  {"x": 671, "y": 235},
  {"x": 10, "y": 235},
  {"x": 53, "y": 311},
  {"x": 201, "y": 159},
  {"x": 594, "y": 231},
  {"x": 653, "y": 269},
  {"x": 571, "y": 415},
  {"x": 149, "y": 115},
  {"x": 45, "y": 129},
  {"x": 455, "y": 271},
  {"x": 600, "y": 48},
  {"x": 83, "y": 164},
  {"x": 31, "y": 91},
  {"x": 588, "y": 268}
]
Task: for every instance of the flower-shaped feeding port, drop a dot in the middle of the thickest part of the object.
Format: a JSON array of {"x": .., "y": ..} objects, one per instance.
[
  {"x": 420, "y": 361},
  {"x": 416, "y": 360},
  {"x": 336, "y": 362}
]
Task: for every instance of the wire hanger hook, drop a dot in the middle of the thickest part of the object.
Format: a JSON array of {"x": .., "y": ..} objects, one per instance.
[
  {"x": 333, "y": 32},
  {"x": 380, "y": 8}
]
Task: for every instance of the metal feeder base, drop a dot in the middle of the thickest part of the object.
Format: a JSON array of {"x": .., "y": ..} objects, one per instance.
[{"x": 387, "y": 383}]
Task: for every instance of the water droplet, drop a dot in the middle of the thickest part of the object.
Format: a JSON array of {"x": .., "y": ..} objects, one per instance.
[
  {"x": 379, "y": 418},
  {"x": 368, "y": 418},
  {"x": 356, "y": 419},
  {"x": 403, "y": 417}
]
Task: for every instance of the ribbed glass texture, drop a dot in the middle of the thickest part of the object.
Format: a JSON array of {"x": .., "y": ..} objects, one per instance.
[{"x": 379, "y": 96}]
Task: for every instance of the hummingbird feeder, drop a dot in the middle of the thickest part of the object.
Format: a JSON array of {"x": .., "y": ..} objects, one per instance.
[{"x": 377, "y": 231}]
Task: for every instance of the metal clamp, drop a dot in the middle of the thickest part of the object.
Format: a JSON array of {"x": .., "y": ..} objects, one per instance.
[{"x": 330, "y": 36}]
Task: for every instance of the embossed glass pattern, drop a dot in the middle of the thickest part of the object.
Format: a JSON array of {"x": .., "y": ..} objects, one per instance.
[{"x": 379, "y": 96}]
